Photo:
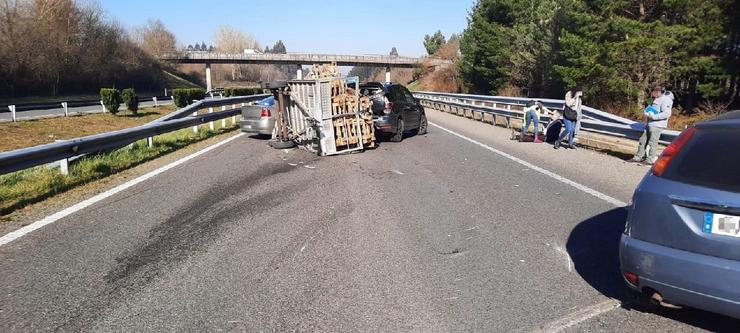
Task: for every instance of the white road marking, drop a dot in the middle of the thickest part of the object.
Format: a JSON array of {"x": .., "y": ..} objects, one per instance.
[
  {"x": 586, "y": 312},
  {"x": 546, "y": 172},
  {"x": 577, "y": 317},
  {"x": 102, "y": 196}
]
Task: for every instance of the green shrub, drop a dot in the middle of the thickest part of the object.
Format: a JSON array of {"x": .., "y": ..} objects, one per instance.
[
  {"x": 111, "y": 99},
  {"x": 131, "y": 100},
  {"x": 185, "y": 96},
  {"x": 241, "y": 91}
]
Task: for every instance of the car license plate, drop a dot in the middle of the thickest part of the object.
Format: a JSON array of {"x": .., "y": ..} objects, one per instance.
[{"x": 720, "y": 224}]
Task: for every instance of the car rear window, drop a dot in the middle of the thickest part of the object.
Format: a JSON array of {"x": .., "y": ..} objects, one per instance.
[{"x": 711, "y": 159}]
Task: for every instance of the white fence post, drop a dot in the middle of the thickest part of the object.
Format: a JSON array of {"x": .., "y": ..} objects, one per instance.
[
  {"x": 12, "y": 112},
  {"x": 154, "y": 99},
  {"x": 103, "y": 105},
  {"x": 223, "y": 120},
  {"x": 66, "y": 110},
  {"x": 64, "y": 166},
  {"x": 211, "y": 126}
]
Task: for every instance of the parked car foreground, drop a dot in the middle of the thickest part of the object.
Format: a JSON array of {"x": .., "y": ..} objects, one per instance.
[{"x": 681, "y": 243}]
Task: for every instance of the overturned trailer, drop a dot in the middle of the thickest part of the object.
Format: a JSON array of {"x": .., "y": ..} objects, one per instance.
[{"x": 325, "y": 115}]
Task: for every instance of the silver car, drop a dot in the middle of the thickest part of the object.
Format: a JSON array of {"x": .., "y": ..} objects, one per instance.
[
  {"x": 259, "y": 118},
  {"x": 681, "y": 243}
]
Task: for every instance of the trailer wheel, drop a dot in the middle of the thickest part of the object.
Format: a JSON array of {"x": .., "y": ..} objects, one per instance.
[{"x": 282, "y": 144}]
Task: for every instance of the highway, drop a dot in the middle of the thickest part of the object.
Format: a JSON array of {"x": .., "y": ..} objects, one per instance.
[
  {"x": 59, "y": 112},
  {"x": 457, "y": 230}
]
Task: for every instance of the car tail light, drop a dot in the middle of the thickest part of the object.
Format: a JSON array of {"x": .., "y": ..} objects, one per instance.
[
  {"x": 632, "y": 278},
  {"x": 265, "y": 113},
  {"x": 388, "y": 107},
  {"x": 671, "y": 151}
]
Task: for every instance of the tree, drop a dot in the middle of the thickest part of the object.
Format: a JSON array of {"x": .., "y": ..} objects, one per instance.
[
  {"x": 394, "y": 52},
  {"x": 203, "y": 46},
  {"x": 278, "y": 48},
  {"x": 154, "y": 38},
  {"x": 434, "y": 42},
  {"x": 230, "y": 40}
]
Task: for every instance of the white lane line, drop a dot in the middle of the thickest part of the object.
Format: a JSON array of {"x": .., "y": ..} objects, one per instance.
[
  {"x": 546, "y": 172},
  {"x": 102, "y": 196},
  {"x": 577, "y": 317}
]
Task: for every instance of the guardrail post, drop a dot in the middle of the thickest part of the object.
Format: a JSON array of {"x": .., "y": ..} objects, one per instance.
[
  {"x": 150, "y": 142},
  {"x": 66, "y": 109},
  {"x": 154, "y": 99},
  {"x": 103, "y": 105},
  {"x": 165, "y": 92},
  {"x": 195, "y": 113},
  {"x": 223, "y": 120},
  {"x": 494, "y": 105},
  {"x": 12, "y": 112},
  {"x": 233, "y": 118},
  {"x": 508, "y": 106},
  {"x": 211, "y": 126},
  {"x": 64, "y": 166}
]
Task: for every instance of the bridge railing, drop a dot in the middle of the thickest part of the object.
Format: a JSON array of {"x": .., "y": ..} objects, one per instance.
[
  {"x": 294, "y": 57},
  {"x": 594, "y": 120}
]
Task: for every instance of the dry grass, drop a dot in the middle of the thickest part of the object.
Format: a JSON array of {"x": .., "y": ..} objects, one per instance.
[{"x": 29, "y": 133}]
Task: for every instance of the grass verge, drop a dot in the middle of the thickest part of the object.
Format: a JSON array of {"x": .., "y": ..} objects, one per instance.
[
  {"x": 29, "y": 133},
  {"x": 22, "y": 188}
]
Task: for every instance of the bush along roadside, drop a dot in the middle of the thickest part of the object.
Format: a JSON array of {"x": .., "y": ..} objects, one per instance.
[
  {"x": 22, "y": 188},
  {"x": 241, "y": 91},
  {"x": 185, "y": 96},
  {"x": 131, "y": 100},
  {"x": 111, "y": 99}
]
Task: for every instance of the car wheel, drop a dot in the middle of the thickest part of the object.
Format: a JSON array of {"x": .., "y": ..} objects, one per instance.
[
  {"x": 398, "y": 136},
  {"x": 423, "y": 125}
]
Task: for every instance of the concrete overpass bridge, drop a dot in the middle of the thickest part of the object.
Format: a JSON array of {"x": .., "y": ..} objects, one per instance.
[{"x": 386, "y": 61}]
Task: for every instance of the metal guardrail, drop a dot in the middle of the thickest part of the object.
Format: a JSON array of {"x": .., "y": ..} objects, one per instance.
[
  {"x": 70, "y": 104},
  {"x": 38, "y": 155},
  {"x": 594, "y": 120}
]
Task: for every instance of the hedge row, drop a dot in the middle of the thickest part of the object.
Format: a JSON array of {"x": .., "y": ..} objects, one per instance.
[
  {"x": 186, "y": 96},
  {"x": 241, "y": 91},
  {"x": 131, "y": 100},
  {"x": 111, "y": 99}
]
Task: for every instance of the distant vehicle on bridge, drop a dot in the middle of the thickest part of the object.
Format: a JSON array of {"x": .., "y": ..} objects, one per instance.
[
  {"x": 681, "y": 244},
  {"x": 251, "y": 51}
]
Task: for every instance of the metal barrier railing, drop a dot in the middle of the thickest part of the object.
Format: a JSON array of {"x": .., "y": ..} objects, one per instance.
[
  {"x": 38, "y": 155},
  {"x": 511, "y": 107}
]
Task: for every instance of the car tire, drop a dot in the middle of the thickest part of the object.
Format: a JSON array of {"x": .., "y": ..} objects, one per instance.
[
  {"x": 398, "y": 136},
  {"x": 423, "y": 125}
]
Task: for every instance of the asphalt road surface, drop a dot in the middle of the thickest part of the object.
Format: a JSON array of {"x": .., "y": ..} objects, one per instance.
[
  {"x": 438, "y": 233},
  {"x": 6, "y": 116}
]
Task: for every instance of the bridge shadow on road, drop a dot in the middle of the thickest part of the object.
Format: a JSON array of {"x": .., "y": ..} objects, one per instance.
[{"x": 593, "y": 245}]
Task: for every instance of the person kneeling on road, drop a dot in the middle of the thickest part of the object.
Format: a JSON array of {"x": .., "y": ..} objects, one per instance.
[
  {"x": 656, "y": 120},
  {"x": 532, "y": 114}
]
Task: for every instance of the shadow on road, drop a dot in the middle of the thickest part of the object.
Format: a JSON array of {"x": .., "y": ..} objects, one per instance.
[{"x": 593, "y": 246}]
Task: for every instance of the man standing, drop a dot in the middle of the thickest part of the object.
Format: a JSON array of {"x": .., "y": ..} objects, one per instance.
[{"x": 656, "y": 116}]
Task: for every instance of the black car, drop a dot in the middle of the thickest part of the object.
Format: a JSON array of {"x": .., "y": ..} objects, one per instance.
[{"x": 395, "y": 110}]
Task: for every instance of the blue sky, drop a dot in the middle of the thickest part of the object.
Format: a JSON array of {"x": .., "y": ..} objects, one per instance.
[{"x": 318, "y": 26}]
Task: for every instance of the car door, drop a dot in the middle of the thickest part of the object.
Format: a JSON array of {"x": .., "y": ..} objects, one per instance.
[
  {"x": 400, "y": 104},
  {"x": 411, "y": 108}
]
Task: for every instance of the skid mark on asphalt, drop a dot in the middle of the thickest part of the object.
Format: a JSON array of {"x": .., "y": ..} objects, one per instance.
[
  {"x": 579, "y": 186},
  {"x": 109, "y": 193},
  {"x": 578, "y": 316}
]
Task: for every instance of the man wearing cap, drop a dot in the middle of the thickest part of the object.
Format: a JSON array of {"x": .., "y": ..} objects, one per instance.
[{"x": 656, "y": 120}]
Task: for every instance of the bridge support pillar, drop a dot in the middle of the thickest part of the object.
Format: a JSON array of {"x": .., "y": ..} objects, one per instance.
[
  {"x": 209, "y": 86},
  {"x": 387, "y": 74},
  {"x": 299, "y": 73}
]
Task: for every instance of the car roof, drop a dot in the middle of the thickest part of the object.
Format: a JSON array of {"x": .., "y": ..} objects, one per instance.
[{"x": 727, "y": 120}]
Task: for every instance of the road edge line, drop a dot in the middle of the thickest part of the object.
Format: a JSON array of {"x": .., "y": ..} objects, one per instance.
[
  {"x": 14, "y": 235},
  {"x": 584, "y": 188}
]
